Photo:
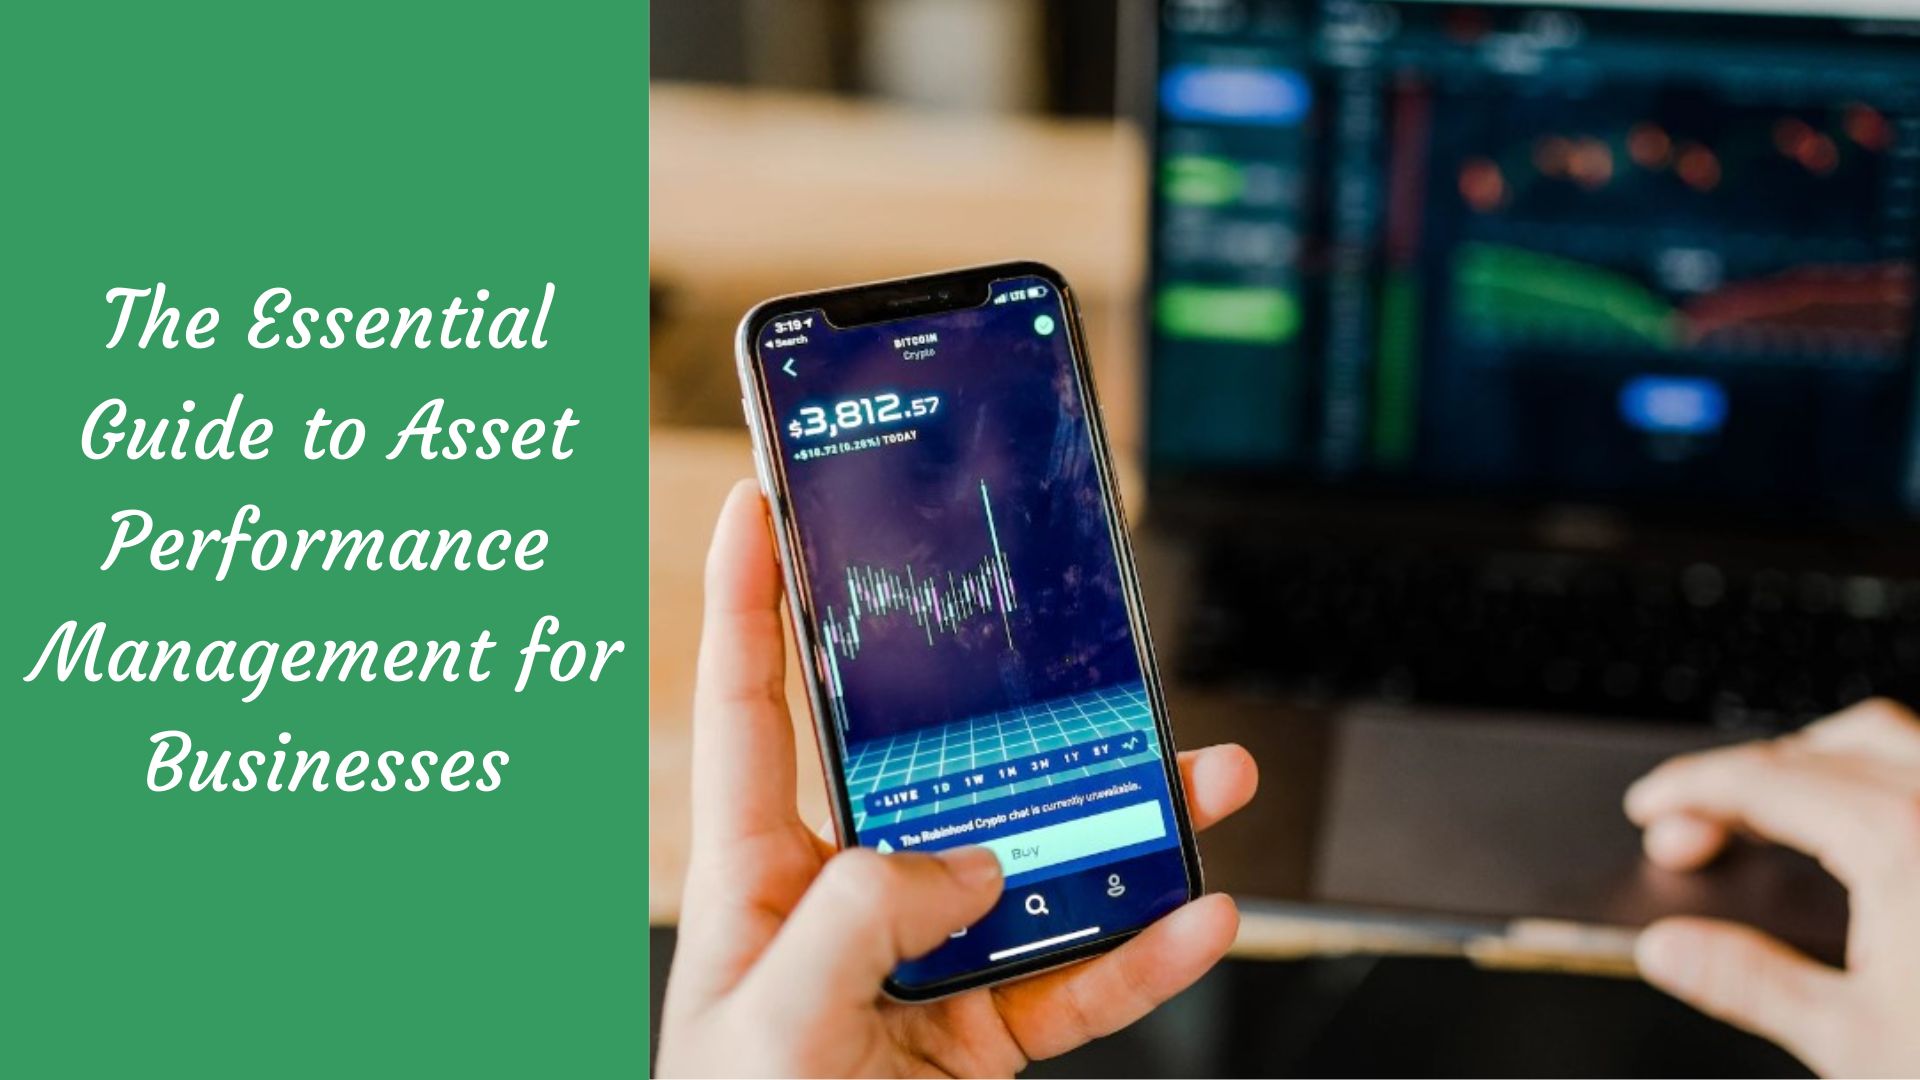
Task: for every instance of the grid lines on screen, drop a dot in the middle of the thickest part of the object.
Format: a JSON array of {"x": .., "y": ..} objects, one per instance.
[{"x": 984, "y": 741}]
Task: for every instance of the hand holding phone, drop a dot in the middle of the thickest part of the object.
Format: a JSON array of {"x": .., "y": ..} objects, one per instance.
[
  {"x": 783, "y": 944},
  {"x": 963, "y": 594}
]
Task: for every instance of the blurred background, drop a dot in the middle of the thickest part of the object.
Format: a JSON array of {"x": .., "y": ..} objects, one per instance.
[
  {"x": 804, "y": 143},
  {"x": 1624, "y": 270}
]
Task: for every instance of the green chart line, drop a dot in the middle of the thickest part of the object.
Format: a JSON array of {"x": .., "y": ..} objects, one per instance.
[{"x": 1513, "y": 290}]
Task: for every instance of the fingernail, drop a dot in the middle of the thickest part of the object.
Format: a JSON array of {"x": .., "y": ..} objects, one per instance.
[
  {"x": 1671, "y": 839},
  {"x": 1635, "y": 792},
  {"x": 1637, "y": 798},
  {"x": 972, "y": 865},
  {"x": 1666, "y": 955}
]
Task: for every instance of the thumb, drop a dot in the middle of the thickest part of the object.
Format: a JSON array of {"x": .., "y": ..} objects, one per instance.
[
  {"x": 863, "y": 915},
  {"x": 1750, "y": 980}
]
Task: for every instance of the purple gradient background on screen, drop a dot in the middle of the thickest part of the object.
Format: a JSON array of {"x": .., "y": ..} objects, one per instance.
[{"x": 1010, "y": 415}]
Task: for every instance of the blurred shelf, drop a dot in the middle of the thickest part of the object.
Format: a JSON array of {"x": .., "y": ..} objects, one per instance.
[
  {"x": 754, "y": 194},
  {"x": 763, "y": 193}
]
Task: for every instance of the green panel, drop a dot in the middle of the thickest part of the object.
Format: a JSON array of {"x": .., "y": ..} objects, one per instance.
[
  {"x": 1201, "y": 180},
  {"x": 1395, "y": 406},
  {"x": 1243, "y": 314},
  {"x": 362, "y": 155}
]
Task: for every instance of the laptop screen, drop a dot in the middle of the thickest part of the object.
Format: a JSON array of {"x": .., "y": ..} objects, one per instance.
[{"x": 1623, "y": 253}]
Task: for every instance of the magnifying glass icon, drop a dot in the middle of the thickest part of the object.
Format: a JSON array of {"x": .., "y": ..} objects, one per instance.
[{"x": 1037, "y": 905}]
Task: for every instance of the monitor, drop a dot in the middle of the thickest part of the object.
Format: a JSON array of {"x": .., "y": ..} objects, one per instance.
[{"x": 1628, "y": 253}]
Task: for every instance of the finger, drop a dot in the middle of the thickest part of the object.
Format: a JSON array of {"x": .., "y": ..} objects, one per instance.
[
  {"x": 741, "y": 728},
  {"x": 750, "y": 856},
  {"x": 1053, "y": 1013},
  {"x": 1876, "y": 727},
  {"x": 1748, "y": 979},
  {"x": 1219, "y": 780},
  {"x": 862, "y": 916},
  {"x": 1683, "y": 841},
  {"x": 1810, "y": 802}
]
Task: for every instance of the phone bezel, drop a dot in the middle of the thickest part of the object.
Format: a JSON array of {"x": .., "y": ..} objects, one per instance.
[{"x": 913, "y": 297}]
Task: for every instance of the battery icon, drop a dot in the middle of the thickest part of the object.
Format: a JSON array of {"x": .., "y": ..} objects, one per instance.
[{"x": 1036, "y": 292}]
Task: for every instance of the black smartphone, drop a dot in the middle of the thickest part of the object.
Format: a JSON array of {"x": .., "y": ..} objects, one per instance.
[{"x": 963, "y": 594}]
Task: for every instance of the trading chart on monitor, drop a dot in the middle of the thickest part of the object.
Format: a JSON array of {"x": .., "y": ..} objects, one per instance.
[
  {"x": 1608, "y": 250},
  {"x": 1649, "y": 224}
]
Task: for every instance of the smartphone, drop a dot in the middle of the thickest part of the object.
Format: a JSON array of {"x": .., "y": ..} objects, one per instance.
[{"x": 963, "y": 594}]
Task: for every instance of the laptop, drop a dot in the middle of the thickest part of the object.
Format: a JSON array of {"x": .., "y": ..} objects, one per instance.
[{"x": 1531, "y": 396}]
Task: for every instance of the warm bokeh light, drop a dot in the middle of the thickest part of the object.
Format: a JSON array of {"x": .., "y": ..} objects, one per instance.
[
  {"x": 1482, "y": 185},
  {"x": 1698, "y": 167},
  {"x": 1649, "y": 146}
]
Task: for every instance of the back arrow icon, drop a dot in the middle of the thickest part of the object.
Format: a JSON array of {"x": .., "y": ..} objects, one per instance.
[{"x": 788, "y": 368}]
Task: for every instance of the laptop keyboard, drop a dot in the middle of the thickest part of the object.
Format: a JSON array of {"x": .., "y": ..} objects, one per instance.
[{"x": 1763, "y": 649}]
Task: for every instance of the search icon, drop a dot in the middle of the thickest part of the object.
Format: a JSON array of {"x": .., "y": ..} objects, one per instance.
[{"x": 1037, "y": 905}]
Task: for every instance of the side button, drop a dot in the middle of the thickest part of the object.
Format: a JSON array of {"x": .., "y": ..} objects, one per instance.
[{"x": 759, "y": 453}]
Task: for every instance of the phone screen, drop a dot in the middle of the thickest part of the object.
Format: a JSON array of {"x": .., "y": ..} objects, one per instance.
[{"x": 970, "y": 611}]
